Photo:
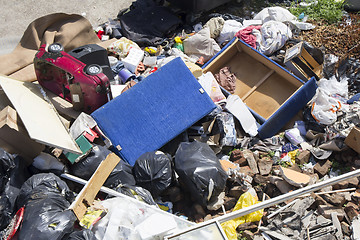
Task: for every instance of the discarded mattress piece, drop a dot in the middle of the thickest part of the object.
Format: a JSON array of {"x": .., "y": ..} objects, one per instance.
[{"x": 154, "y": 111}]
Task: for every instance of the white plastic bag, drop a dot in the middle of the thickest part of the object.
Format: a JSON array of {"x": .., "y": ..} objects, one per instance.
[
  {"x": 201, "y": 44},
  {"x": 228, "y": 32},
  {"x": 324, "y": 107},
  {"x": 276, "y": 14},
  {"x": 272, "y": 36},
  {"x": 333, "y": 86},
  {"x": 212, "y": 88}
]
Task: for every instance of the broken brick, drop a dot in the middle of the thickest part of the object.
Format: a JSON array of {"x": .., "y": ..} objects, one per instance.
[
  {"x": 322, "y": 168},
  {"x": 326, "y": 210},
  {"x": 265, "y": 165},
  {"x": 236, "y": 156},
  {"x": 350, "y": 183},
  {"x": 356, "y": 206},
  {"x": 229, "y": 202},
  {"x": 351, "y": 212},
  {"x": 259, "y": 179},
  {"x": 250, "y": 158},
  {"x": 247, "y": 226},
  {"x": 281, "y": 184},
  {"x": 247, "y": 170},
  {"x": 345, "y": 228},
  {"x": 303, "y": 157},
  {"x": 335, "y": 199},
  {"x": 236, "y": 191},
  {"x": 248, "y": 234}
]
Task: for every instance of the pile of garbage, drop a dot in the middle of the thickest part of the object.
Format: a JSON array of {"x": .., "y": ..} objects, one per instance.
[{"x": 157, "y": 126}]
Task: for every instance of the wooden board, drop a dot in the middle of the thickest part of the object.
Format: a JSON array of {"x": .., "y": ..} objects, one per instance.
[
  {"x": 87, "y": 195},
  {"x": 64, "y": 107},
  {"x": 38, "y": 115}
]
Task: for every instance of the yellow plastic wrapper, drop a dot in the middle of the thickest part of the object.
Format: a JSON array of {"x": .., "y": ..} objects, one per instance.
[
  {"x": 178, "y": 40},
  {"x": 122, "y": 47},
  {"x": 244, "y": 201},
  {"x": 90, "y": 218},
  {"x": 292, "y": 155}
]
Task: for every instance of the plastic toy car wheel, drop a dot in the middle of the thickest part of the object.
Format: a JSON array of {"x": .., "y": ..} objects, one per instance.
[
  {"x": 55, "y": 47},
  {"x": 93, "y": 69}
]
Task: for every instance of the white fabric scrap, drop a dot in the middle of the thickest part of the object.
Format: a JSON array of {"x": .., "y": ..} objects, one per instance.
[{"x": 272, "y": 36}]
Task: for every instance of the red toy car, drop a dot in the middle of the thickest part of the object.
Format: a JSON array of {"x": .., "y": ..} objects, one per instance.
[{"x": 85, "y": 86}]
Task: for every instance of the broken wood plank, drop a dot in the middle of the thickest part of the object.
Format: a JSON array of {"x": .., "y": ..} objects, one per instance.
[
  {"x": 90, "y": 190},
  {"x": 38, "y": 115}
]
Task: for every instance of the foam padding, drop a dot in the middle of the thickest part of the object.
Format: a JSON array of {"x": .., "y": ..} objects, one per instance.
[{"x": 154, "y": 111}]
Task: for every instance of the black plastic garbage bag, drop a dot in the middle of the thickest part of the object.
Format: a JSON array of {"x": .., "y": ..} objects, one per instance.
[
  {"x": 122, "y": 173},
  {"x": 85, "y": 234},
  {"x": 138, "y": 193},
  {"x": 148, "y": 25},
  {"x": 46, "y": 199},
  {"x": 200, "y": 171},
  {"x": 13, "y": 174},
  {"x": 153, "y": 171}
]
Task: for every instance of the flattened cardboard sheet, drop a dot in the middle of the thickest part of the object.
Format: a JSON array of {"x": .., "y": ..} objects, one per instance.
[{"x": 39, "y": 116}]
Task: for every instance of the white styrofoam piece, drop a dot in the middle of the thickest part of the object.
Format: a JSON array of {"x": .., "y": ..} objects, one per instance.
[
  {"x": 133, "y": 59},
  {"x": 238, "y": 108}
]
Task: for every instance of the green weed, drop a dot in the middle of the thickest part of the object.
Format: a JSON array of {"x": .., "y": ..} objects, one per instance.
[{"x": 329, "y": 10}]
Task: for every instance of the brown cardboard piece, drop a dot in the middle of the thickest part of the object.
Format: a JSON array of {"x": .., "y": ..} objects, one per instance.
[
  {"x": 37, "y": 113},
  {"x": 14, "y": 137},
  {"x": 353, "y": 139}
]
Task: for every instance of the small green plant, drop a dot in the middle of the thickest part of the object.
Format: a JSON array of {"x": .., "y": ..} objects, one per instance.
[{"x": 329, "y": 10}]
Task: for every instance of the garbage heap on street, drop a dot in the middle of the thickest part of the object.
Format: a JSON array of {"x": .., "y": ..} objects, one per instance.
[{"x": 191, "y": 120}]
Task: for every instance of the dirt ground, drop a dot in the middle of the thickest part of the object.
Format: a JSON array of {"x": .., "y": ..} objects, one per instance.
[{"x": 17, "y": 15}]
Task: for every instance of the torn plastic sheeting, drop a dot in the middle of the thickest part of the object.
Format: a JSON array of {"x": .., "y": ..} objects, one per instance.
[
  {"x": 244, "y": 201},
  {"x": 212, "y": 88},
  {"x": 124, "y": 216},
  {"x": 200, "y": 170},
  {"x": 230, "y": 28},
  {"x": 333, "y": 87},
  {"x": 227, "y": 129},
  {"x": 153, "y": 171}
]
